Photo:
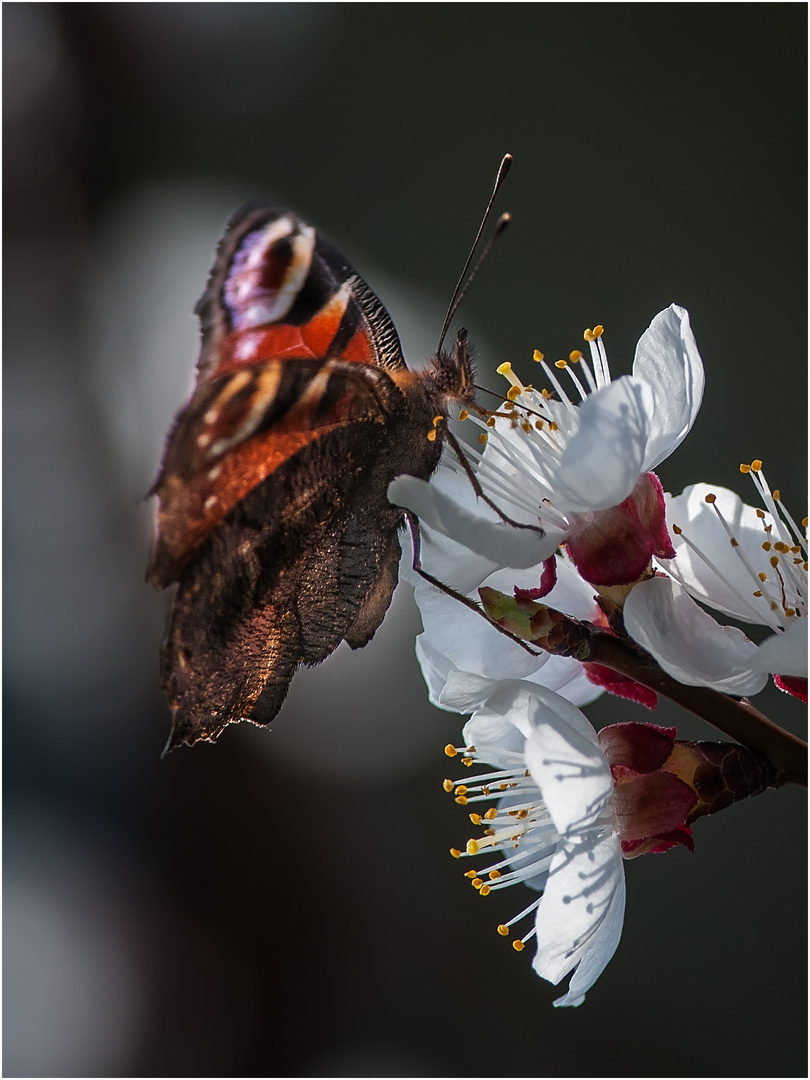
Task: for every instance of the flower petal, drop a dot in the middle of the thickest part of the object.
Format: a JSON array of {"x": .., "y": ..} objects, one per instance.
[
  {"x": 579, "y": 919},
  {"x": 667, "y": 359},
  {"x": 730, "y": 590},
  {"x": 784, "y": 654},
  {"x": 567, "y": 763},
  {"x": 687, "y": 642},
  {"x": 502, "y": 543},
  {"x": 603, "y": 460}
]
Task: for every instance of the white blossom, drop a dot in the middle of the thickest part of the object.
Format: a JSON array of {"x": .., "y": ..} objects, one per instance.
[{"x": 745, "y": 562}]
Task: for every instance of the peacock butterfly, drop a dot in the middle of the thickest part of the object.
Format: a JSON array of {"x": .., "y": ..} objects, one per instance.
[{"x": 273, "y": 518}]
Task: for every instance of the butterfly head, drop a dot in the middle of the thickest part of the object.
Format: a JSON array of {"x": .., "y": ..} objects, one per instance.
[{"x": 452, "y": 371}]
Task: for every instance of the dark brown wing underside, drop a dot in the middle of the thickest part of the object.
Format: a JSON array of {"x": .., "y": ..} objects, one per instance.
[{"x": 268, "y": 592}]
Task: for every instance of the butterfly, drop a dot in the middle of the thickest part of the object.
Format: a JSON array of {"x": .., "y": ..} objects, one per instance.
[{"x": 273, "y": 518}]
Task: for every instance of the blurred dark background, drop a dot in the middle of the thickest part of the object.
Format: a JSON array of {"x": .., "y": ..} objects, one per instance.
[{"x": 282, "y": 904}]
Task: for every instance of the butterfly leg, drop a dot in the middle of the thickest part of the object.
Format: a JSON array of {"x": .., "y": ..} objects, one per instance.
[
  {"x": 413, "y": 525},
  {"x": 479, "y": 491}
]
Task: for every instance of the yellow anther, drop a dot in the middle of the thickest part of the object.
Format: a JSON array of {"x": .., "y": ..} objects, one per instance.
[
  {"x": 503, "y": 930},
  {"x": 575, "y": 356},
  {"x": 777, "y": 494},
  {"x": 538, "y": 357},
  {"x": 503, "y": 787},
  {"x": 766, "y": 545},
  {"x": 463, "y": 414},
  {"x": 745, "y": 469},
  {"x": 757, "y": 592},
  {"x": 476, "y": 883},
  {"x": 431, "y": 435},
  {"x": 482, "y": 438},
  {"x": 539, "y": 425},
  {"x": 461, "y": 800},
  {"x": 494, "y": 875},
  {"x": 512, "y": 393},
  {"x": 509, "y": 406},
  {"x": 450, "y": 750},
  {"x": 790, "y": 612},
  {"x": 598, "y": 330},
  {"x": 467, "y": 761},
  {"x": 561, "y": 363},
  {"x": 711, "y": 499},
  {"x": 762, "y": 577},
  {"x": 437, "y": 420},
  {"x": 476, "y": 819},
  {"x": 485, "y": 790},
  {"x": 484, "y": 890},
  {"x": 523, "y": 814},
  {"x": 506, "y": 371},
  {"x": 512, "y": 813},
  {"x": 734, "y": 542},
  {"x": 490, "y": 421},
  {"x": 783, "y": 549},
  {"x": 760, "y": 514},
  {"x": 553, "y": 425},
  {"x": 447, "y": 785},
  {"x": 756, "y": 466},
  {"x": 774, "y": 561},
  {"x": 545, "y": 393},
  {"x": 490, "y": 814},
  {"x": 471, "y": 874},
  {"x": 455, "y": 852},
  {"x": 589, "y": 335},
  {"x": 472, "y": 847},
  {"x": 677, "y": 530},
  {"x": 489, "y": 832},
  {"x": 518, "y": 945},
  {"x": 804, "y": 522},
  {"x": 461, "y": 789},
  {"x": 527, "y": 427}
]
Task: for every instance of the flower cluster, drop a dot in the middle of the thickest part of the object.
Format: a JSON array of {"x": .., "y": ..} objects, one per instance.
[{"x": 607, "y": 591}]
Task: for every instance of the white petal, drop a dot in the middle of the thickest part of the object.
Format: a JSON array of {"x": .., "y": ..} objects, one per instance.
[
  {"x": 605, "y": 943},
  {"x": 570, "y": 770},
  {"x": 580, "y": 916},
  {"x": 469, "y": 641},
  {"x": 731, "y": 592},
  {"x": 687, "y": 642},
  {"x": 446, "y": 559},
  {"x": 497, "y": 541},
  {"x": 491, "y": 734},
  {"x": 667, "y": 359},
  {"x": 602, "y": 462},
  {"x": 784, "y": 654}
]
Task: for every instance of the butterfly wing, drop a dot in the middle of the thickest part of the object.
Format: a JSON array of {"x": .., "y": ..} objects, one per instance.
[
  {"x": 273, "y": 514},
  {"x": 266, "y": 592}
]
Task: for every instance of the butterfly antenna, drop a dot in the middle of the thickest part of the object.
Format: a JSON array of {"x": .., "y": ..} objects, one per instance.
[{"x": 464, "y": 281}]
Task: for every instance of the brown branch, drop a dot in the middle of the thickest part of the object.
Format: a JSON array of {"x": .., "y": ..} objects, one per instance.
[{"x": 736, "y": 717}]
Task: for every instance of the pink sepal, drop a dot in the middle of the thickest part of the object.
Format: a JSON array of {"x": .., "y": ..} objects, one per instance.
[
  {"x": 631, "y": 849},
  {"x": 620, "y": 685},
  {"x": 548, "y": 579},
  {"x": 640, "y": 747},
  {"x": 792, "y": 684},
  {"x": 616, "y": 546},
  {"x": 651, "y": 806}
]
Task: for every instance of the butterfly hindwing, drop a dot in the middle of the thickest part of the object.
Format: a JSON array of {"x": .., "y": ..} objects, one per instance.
[{"x": 268, "y": 592}]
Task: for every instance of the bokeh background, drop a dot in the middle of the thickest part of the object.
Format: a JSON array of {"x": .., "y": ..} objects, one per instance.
[{"x": 282, "y": 904}]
